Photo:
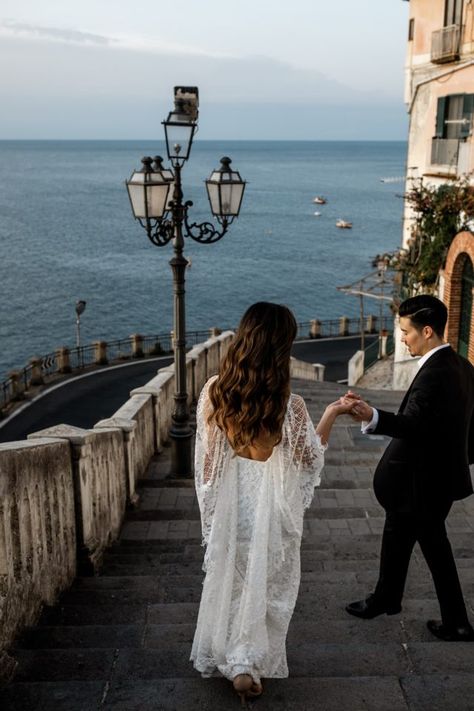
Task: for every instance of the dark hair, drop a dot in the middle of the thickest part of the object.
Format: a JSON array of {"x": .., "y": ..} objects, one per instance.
[
  {"x": 425, "y": 310},
  {"x": 251, "y": 392}
]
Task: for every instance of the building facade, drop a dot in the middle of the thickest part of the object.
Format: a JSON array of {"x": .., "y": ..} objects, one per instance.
[{"x": 439, "y": 94}]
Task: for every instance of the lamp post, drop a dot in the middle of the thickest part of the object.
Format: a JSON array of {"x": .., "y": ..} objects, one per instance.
[
  {"x": 381, "y": 268},
  {"x": 156, "y": 198}
]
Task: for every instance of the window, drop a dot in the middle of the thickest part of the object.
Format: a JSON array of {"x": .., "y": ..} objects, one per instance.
[
  {"x": 454, "y": 117},
  {"x": 411, "y": 29},
  {"x": 453, "y": 12}
]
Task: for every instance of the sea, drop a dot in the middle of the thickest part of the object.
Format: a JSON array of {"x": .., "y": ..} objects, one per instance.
[{"x": 67, "y": 233}]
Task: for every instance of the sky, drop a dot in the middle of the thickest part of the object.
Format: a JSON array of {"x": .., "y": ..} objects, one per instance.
[{"x": 266, "y": 69}]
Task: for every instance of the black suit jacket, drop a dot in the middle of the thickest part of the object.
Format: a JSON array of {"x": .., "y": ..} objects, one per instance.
[{"x": 426, "y": 465}]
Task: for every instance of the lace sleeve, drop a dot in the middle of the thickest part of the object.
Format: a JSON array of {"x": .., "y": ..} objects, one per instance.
[
  {"x": 308, "y": 450},
  {"x": 208, "y": 460}
]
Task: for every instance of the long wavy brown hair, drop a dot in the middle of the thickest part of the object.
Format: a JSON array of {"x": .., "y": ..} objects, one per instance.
[{"x": 251, "y": 392}]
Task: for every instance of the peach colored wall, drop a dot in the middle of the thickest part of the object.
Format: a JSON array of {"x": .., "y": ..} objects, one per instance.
[
  {"x": 429, "y": 17},
  {"x": 426, "y": 104}
]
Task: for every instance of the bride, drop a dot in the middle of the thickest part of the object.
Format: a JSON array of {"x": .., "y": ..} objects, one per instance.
[{"x": 258, "y": 459}]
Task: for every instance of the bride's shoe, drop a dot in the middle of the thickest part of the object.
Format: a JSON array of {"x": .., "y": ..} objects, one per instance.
[
  {"x": 246, "y": 688},
  {"x": 255, "y": 690}
]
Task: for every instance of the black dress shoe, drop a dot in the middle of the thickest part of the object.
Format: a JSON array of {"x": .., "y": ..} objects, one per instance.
[
  {"x": 465, "y": 633},
  {"x": 371, "y": 607}
]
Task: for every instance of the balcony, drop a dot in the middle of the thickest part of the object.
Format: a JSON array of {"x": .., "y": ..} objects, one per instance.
[
  {"x": 444, "y": 151},
  {"x": 445, "y": 44}
]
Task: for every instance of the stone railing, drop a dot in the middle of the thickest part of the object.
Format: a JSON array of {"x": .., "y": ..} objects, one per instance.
[
  {"x": 37, "y": 533},
  {"x": 64, "y": 491},
  {"x": 355, "y": 368},
  {"x": 306, "y": 371},
  {"x": 22, "y": 384}
]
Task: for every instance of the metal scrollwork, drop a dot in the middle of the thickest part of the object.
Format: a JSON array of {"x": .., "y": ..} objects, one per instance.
[
  {"x": 159, "y": 232},
  {"x": 205, "y": 232}
]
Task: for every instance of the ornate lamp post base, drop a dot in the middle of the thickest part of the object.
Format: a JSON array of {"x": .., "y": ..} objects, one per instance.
[{"x": 181, "y": 451}]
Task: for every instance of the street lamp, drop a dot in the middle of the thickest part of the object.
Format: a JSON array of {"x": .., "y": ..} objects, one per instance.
[
  {"x": 80, "y": 308},
  {"x": 156, "y": 198}
]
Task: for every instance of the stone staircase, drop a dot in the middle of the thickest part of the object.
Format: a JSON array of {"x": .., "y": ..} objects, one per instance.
[{"x": 122, "y": 640}]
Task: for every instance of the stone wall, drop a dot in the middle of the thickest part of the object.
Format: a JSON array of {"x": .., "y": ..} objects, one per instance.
[
  {"x": 37, "y": 533},
  {"x": 306, "y": 371},
  {"x": 355, "y": 368},
  {"x": 64, "y": 491}
]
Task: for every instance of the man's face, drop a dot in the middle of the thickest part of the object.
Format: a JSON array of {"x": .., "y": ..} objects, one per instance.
[{"x": 414, "y": 340}]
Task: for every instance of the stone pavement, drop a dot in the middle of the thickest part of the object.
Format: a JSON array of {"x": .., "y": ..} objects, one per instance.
[{"x": 121, "y": 641}]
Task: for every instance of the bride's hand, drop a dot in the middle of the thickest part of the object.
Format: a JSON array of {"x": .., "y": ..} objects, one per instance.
[{"x": 343, "y": 406}]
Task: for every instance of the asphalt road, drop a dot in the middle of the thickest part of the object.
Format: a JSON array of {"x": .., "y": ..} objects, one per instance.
[{"x": 84, "y": 400}]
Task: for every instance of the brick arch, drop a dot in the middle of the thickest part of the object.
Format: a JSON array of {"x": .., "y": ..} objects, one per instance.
[{"x": 462, "y": 248}]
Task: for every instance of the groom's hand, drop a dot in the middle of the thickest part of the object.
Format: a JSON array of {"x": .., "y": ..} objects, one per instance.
[
  {"x": 352, "y": 398},
  {"x": 361, "y": 411}
]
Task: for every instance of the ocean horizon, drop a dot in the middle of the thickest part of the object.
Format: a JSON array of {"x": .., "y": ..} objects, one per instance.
[{"x": 67, "y": 233}]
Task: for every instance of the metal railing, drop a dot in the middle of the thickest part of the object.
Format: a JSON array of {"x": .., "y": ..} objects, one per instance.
[
  {"x": 375, "y": 350},
  {"x": 444, "y": 151},
  {"x": 101, "y": 353},
  {"x": 445, "y": 44},
  {"x": 371, "y": 354},
  {"x": 336, "y": 328}
]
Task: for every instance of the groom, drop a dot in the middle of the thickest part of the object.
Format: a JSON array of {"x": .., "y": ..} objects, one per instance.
[{"x": 424, "y": 468}]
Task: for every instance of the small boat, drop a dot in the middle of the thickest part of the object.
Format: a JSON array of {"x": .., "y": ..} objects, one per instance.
[
  {"x": 317, "y": 214},
  {"x": 344, "y": 224},
  {"x": 319, "y": 200}
]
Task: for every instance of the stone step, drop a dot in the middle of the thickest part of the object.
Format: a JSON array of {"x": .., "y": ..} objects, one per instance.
[
  {"x": 346, "y": 540},
  {"x": 315, "y": 603},
  {"x": 305, "y": 659},
  {"x": 315, "y": 561},
  {"x": 320, "y": 511},
  {"x": 322, "y": 563},
  {"x": 396, "y": 628},
  {"x": 372, "y": 693},
  {"x": 311, "y": 592},
  {"x": 339, "y": 588},
  {"x": 144, "y": 586}
]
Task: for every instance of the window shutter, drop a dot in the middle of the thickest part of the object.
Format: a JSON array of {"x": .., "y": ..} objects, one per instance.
[
  {"x": 468, "y": 110},
  {"x": 441, "y": 116}
]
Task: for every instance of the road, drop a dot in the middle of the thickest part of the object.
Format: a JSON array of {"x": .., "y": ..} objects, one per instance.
[{"x": 84, "y": 400}]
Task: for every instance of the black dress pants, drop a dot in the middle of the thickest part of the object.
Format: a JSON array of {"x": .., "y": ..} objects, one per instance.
[{"x": 402, "y": 530}]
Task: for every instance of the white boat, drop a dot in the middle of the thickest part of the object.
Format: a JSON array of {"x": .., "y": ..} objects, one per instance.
[
  {"x": 319, "y": 200},
  {"x": 317, "y": 214},
  {"x": 344, "y": 224}
]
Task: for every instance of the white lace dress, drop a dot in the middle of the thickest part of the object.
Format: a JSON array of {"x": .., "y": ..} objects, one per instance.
[{"x": 252, "y": 523}]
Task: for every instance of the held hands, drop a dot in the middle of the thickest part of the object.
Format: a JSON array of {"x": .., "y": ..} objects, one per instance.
[
  {"x": 344, "y": 405},
  {"x": 360, "y": 410},
  {"x": 351, "y": 404}
]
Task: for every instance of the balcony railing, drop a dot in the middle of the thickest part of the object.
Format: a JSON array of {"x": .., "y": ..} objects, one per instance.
[
  {"x": 445, "y": 44},
  {"x": 444, "y": 151}
]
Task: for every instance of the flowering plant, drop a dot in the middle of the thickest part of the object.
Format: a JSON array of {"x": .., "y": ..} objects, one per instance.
[{"x": 439, "y": 214}]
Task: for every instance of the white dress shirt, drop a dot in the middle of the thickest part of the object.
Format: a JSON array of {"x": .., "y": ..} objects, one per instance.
[{"x": 368, "y": 427}]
